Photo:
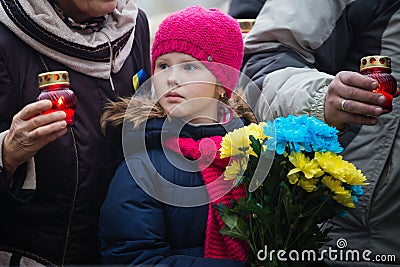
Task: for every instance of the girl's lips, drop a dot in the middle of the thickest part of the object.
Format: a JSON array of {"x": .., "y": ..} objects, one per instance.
[
  {"x": 173, "y": 97},
  {"x": 173, "y": 94}
]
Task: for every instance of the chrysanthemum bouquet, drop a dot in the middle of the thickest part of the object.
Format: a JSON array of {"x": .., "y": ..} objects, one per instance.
[{"x": 295, "y": 182}]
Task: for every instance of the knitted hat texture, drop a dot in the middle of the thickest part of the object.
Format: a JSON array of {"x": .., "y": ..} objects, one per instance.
[{"x": 210, "y": 36}]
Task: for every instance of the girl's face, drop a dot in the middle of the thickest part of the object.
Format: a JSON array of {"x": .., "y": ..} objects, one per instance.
[
  {"x": 81, "y": 10},
  {"x": 185, "y": 88}
]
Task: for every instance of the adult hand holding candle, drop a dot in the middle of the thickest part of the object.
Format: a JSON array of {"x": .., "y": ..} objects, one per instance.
[
  {"x": 350, "y": 99},
  {"x": 29, "y": 133}
]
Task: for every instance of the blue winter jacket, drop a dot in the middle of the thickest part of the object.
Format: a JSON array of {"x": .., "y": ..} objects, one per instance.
[{"x": 137, "y": 229}]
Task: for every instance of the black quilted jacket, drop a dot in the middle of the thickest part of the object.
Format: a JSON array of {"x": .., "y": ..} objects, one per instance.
[{"x": 56, "y": 223}]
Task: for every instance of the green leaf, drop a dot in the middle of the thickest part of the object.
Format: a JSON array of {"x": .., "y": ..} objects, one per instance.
[
  {"x": 234, "y": 233},
  {"x": 230, "y": 220},
  {"x": 255, "y": 144},
  {"x": 220, "y": 208},
  {"x": 286, "y": 196},
  {"x": 235, "y": 226}
]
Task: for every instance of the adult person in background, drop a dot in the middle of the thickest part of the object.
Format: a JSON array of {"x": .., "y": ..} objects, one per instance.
[
  {"x": 245, "y": 9},
  {"x": 245, "y": 12},
  {"x": 54, "y": 177},
  {"x": 304, "y": 57}
]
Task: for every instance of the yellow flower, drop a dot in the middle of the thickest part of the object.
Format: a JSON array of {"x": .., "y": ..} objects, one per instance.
[
  {"x": 293, "y": 178},
  {"x": 256, "y": 130},
  {"x": 238, "y": 142},
  {"x": 308, "y": 184},
  {"x": 236, "y": 169},
  {"x": 354, "y": 176},
  {"x": 334, "y": 185},
  {"x": 235, "y": 143},
  {"x": 340, "y": 169},
  {"x": 342, "y": 195},
  {"x": 310, "y": 168},
  {"x": 332, "y": 164},
  {"x": 345, "y": 199}
]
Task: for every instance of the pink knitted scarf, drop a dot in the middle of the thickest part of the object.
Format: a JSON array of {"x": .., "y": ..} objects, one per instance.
[{"x": 212, "y": 167}]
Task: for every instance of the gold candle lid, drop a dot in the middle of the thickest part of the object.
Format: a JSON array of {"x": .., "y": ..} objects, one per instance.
[
  {"x": 53, "y": 77},
  {"x": 246, "y": 24},
  {"x": 375, "y": 61}
]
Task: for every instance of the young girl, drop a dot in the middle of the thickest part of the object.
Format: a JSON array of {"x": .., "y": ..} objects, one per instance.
[{"x": 157, "y": 210}]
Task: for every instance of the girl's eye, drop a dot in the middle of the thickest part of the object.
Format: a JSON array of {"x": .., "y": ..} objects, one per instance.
[
  {"x": 163, "y": 66},
  {"x": 190, "y": 67}
]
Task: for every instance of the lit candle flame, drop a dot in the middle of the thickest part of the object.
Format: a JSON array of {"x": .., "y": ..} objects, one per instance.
[{"x": 60, "y": 101}]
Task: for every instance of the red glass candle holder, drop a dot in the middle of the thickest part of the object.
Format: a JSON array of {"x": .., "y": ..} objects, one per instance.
[
  {"x": 54, "y": 86},
  {"x": 379, "y": 68}
]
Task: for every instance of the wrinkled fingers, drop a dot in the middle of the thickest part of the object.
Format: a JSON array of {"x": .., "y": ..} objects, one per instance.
[
  {"x": 43, "y": 135},
  {"x": 45, "y": 119},
  {"x": 33, "y": 109},
  {"x": 345, "y": 118}
]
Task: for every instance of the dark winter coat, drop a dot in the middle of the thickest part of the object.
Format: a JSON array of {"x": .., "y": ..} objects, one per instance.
[
  {"x": 54, "y": 221},
  {"x": 294, "y": 51},
  {"x": 136, "y": 228},
  {"x": 245, "y": 9}
]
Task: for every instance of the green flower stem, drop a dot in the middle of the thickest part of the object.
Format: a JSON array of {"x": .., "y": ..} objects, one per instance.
[
  {"x": 314, "y": 212},
  {"x": 276, "y": 226},
  {"x": 293, "y": 225},
  {"x": 315, "y": 209},
  {"x": 262, "y": 235},
  {"x": 252, "y": 244}
]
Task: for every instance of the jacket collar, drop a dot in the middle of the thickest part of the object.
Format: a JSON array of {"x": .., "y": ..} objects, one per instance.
[
  {"x": 156, "y": 130},
  {"x": 180, "y": 129}
]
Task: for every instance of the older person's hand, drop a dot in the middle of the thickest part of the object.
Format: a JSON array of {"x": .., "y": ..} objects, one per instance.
[
  {"x": 29, "y": 133},
  {"x": 350, "y": 100}
]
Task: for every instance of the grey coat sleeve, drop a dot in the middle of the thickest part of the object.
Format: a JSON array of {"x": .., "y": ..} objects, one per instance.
[{"x": 279, "y": 54}]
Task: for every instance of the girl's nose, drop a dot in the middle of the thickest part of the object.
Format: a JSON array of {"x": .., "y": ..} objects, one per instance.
[{"x": 173, "y": 77}]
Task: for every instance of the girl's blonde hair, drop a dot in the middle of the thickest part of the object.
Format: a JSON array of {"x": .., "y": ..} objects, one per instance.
[{"x": 140, "y": 108}]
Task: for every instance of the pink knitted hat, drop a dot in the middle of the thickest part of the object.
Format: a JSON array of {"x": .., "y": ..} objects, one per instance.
[{"x": 209, "y": 36}]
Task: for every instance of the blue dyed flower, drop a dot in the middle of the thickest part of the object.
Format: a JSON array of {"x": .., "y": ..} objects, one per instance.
[
  {"x": 355, "y": 199},
  {"x": 302, "y": 133},
  {"x": 357, "y": 190}
]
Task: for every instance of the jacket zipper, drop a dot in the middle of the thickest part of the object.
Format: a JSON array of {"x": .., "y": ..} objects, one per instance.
[{"x": 73, "y": 199}]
